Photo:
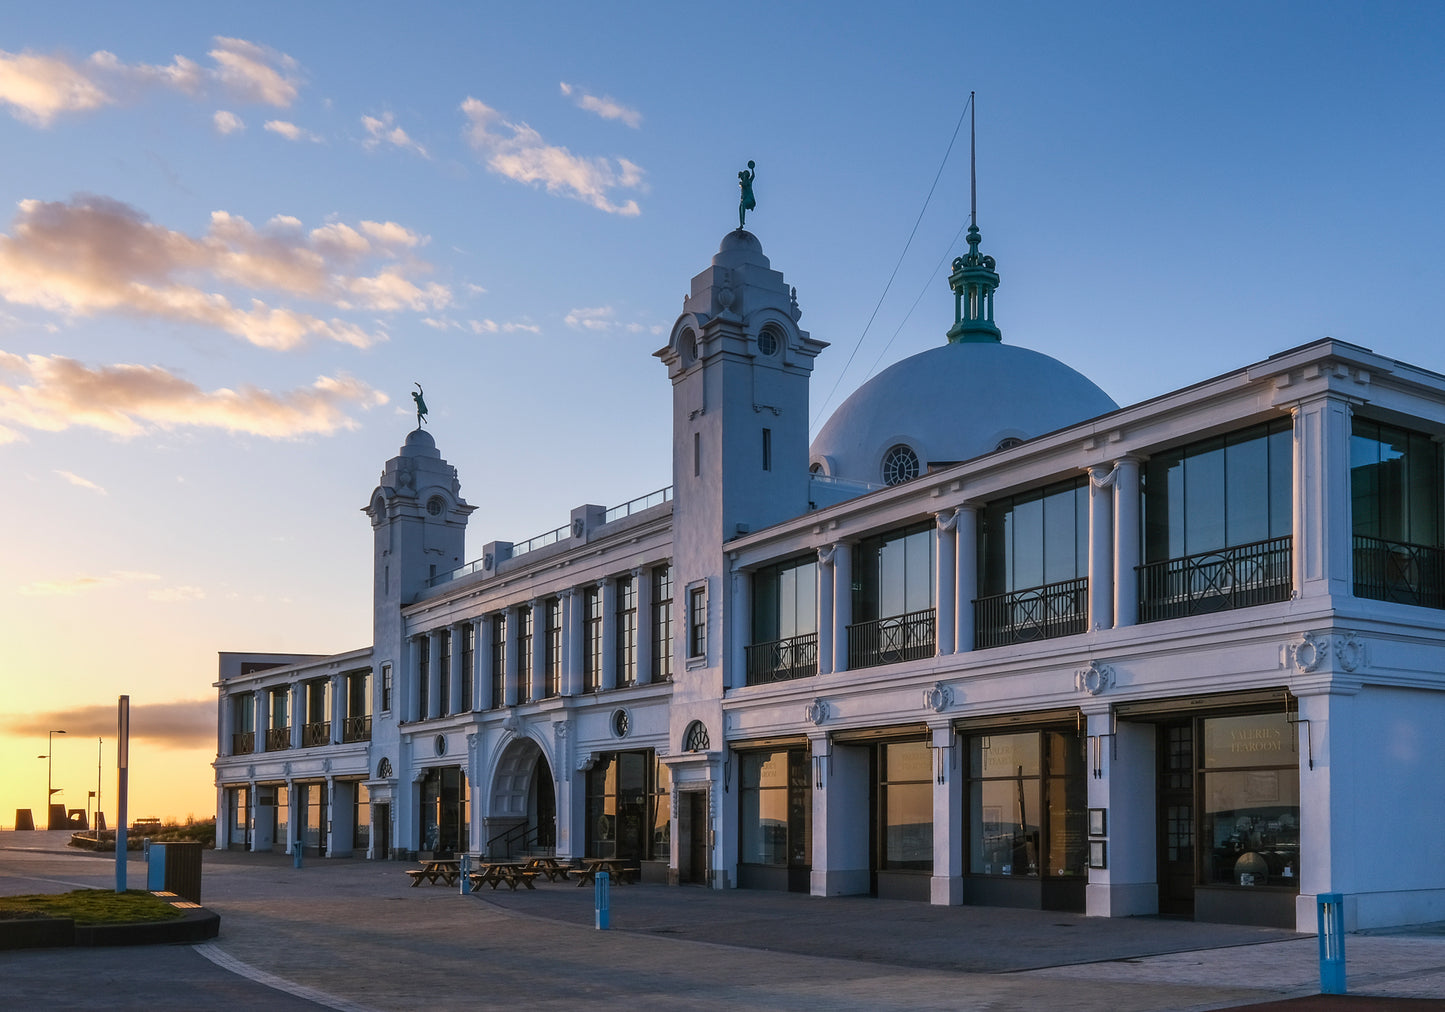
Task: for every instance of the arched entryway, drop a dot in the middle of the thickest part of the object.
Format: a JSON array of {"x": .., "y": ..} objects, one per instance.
[{"x": 522, "y": 817}]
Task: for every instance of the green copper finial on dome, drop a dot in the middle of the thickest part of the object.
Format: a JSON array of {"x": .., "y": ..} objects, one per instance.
[{"x": 973, "y": 279}]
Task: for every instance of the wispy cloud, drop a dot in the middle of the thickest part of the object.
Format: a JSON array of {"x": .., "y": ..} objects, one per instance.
[
  {"x": 187, "y": 723},
  {"x": 596, "y": 318},
  {"x": 84, "y": 584},
  {"x": 80, "y": 482},
  {"x": 53, "y": 393},
  {"x": 384, "y": 130},
  {"x": 290, "y": 131},
  {"x": 39, "y": 87},
  {"x": 176, "y": 595},
  {"x": 93, "y": 254},
  {"x": 518, "y": 152},
  {"x": 227, "y": 122},
  {"x": 482, "y": 326},
  {"x": 606, "y": 106}
]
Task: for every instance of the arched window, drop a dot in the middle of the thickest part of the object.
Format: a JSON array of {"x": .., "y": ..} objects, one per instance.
[
  {"x": 900, "y": 464},
  {"x": 695, "y": 740}
]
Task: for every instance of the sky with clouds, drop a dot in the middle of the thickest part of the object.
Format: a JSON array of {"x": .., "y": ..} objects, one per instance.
[{"x": 232, "y": 240}]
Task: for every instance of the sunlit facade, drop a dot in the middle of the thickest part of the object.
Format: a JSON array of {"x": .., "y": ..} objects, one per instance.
[{"x": 990, "y": 639}]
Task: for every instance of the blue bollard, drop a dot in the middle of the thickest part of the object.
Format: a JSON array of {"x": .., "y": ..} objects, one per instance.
[
  {"x": 1332, "y": 942},
  {"x": 466, "y": 868},
  {"x": 296, "y": 854},
  {"x": 155, "y": 862},
  {"x": 602, "y": 899}
]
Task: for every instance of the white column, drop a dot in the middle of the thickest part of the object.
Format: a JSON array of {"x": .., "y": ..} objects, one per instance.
[
  {"x": 511, "y": 691},
  {"x": 539, "y": 649},
  {"x": 434, "y": 675},
  {"x": 1322, "y": 525},
  {"x": 250, "y": 827},
  {"x": 646, "y": 630},
  {"x": 1127, "y": 535},
  {"x": 825, "y": 608},
  {"x": 413, "y": 679},
  {"x": 735, "y": 670},
  {"x": 947, "y": 569},
  {"x": 1101, "y": 548},
  {"x": 227, "y": 738},
  {"x": 329, "y": 826},
  {"x": 842, "y": 603},
  {"x": 477, "y": 625},
  {"x": 946, "y": 886},
  {"x": 609, "y": 634},
  {"x": 576, "y": 606},
  {"x": 483, "y": 684},
  {"x": 298, "y": 711},
  {"x": 338, "y": 709},
  {"x": 456, "y": 704},
  {"x": 967, "y": 573},
  {"x": 1121, "y": 780},
  {"x": 262, "y": 701}
]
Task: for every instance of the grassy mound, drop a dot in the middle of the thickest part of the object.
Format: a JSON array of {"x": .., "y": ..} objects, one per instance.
[{"x": 91, "y": 906}]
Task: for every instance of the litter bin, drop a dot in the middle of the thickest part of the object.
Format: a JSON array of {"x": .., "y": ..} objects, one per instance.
[
  {"x": 1332, "y": 942},
  {"x": 175, "y": 868}
]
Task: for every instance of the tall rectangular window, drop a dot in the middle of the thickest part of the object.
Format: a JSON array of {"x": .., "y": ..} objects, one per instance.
[
  {"x": 468, "y": 662},
  {"x": 386, "y": 688},
  {"x": 905, "y": 806},
  {"x": 524, "y": 652},
  {"x": 499, "y": 661},
  {"x": 696, "y": 454},
  {"x": 893, "y": 573},
  {"x": 767, "y": 449},
  {"x": 444, "y": 672},
  {"x": 662, "y": 624},
  {"x": 697, "y": 621},
  {"x": 1396, "y": 502},
  {"x": 423, "y": 674},
  {"x": 626, "y": 621},
  {"x": 591, "y": 639},
  {"x": 784, "y": 641},
  {"x": 552, "y": 648},
  {"x": 1027, "y": 804}
]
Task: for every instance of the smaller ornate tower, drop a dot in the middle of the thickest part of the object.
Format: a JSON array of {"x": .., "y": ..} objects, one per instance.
[{"x": 973, "y": 282}]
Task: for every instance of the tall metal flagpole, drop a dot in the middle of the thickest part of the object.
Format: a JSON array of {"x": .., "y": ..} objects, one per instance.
[
  {"x": 972, "y": 169},
  {"x": 122, "y": 764}
]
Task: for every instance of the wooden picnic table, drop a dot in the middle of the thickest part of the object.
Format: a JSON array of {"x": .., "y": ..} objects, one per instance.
[
  {"x": 495, "y": 873},
  {"x": 550, "y": 867},
  {"x": 617, "y": 870},
  {"x": 447, "y": 870}
]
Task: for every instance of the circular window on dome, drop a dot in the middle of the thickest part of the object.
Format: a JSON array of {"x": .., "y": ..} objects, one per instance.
[
  {"x": 435, "y": 505},
  {"x": 900, "y": 464},
  {"x": 1008, "y": 443},
  {"x": 769, "y": 341}
]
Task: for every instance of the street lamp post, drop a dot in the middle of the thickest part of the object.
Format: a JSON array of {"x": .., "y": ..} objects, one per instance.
[{"x": 49, "y": 766}]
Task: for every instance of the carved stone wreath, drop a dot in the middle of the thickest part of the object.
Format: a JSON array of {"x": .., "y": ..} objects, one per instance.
[
  {"x": 938, "y": 698},
  {"x": 1094, "y": 679},
  {"x": 817, "y": 711}
]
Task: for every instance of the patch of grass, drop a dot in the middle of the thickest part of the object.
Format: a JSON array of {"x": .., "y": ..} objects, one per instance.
[{"x": 91, "y": 906}]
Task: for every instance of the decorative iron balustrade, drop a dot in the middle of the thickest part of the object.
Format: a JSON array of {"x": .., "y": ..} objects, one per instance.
[
  {"x": 243, "y": 742},
  {"x": 890, "y": 640},
  {"x": 1399, "y": 572},
  {"x": 278, "y": 739},
  {"x": 356, "y": 728},
  {"x": 781, "y": 660},
  {"x": 316, "y": 732},
  {"x": 1239, "y": 577},
  {"x": 1036, "y": 613}
]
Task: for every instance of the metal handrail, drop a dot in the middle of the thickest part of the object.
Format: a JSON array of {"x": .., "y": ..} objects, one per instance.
[
  {"x": 243, "y": 742},
  {"x": 889, "y": 640},
  {"x": 1034, "y": 613},
  {"x": 356, "y": 728},
  {"x": 316, "y": 732},
  {"x": 1399, "y": 571},
  {"x": 1239, "y": 577},
  {"x": 542, "y": 540},
  {"x": 278, "y": 739},
  {"x": 781, "y": 660},
  {"x": 642, "y": 502}
]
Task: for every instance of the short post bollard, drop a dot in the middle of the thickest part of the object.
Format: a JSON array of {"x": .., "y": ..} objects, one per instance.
[
  {"x": 296, "y": 854},
  {"x": 1332, "y": 942},
  {"x": 466, "y": 870},
  {"x": 602, "y": 899}
]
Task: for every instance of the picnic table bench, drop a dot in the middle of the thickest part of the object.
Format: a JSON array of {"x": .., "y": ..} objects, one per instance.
[
  {"x": 550, "y": 867},
  {"x": 617, "y": 870},
  {"x": 498, "y": 872},
  {"x": 447, "y": 871}
]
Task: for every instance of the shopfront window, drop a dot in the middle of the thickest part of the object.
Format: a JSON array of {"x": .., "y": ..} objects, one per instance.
[
  {"x": 905, "y": 804},
  {"x": 361, "y": 819},
  {"x": 1250, "y": 806},
  {"x": 444, "y": 828},
  {"x": 1027, "y": 804},
  {"x": 774, "y": 808},
  {"x": 622, "y": 799}
]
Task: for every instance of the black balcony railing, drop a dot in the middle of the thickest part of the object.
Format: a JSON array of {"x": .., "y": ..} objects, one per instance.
[
  {"x": 1037, "y": 613},
  {"x": 1239, "y": 577},
  {"x": 316, "y": 732},
  {"x": 243, "y": 742},
  {"x": 278, "y": 738},
  {"x": 1400, "y": 572},
  {"x": 356, "y": 728},
  {"x": 890, "y": 640},
  {"x": 781, "y": 660}
]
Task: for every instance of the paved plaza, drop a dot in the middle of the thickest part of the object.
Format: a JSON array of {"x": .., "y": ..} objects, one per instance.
[{"x": 355, "y": 935}]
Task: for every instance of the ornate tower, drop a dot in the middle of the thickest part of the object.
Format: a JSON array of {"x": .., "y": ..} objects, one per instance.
[{"x": 973, "y": 282}]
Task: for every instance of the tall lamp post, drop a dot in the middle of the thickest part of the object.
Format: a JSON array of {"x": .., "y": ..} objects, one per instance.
[{"x": 49, "y": 766}]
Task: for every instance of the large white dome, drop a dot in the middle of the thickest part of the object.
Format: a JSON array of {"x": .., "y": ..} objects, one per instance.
[{"x": 949, "y": 404}]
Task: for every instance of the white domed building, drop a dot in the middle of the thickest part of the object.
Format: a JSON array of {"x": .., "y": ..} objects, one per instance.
[{"x": 991, "y": 639}]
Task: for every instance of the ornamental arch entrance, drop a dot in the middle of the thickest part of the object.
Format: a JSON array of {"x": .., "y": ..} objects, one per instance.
[{"x": 522, "y": 814}]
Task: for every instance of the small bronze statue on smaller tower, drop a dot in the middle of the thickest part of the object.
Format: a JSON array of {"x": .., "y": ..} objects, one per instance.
[
  {"x": 420, "y": 405},
  {"x": 745, "y": 183}
]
